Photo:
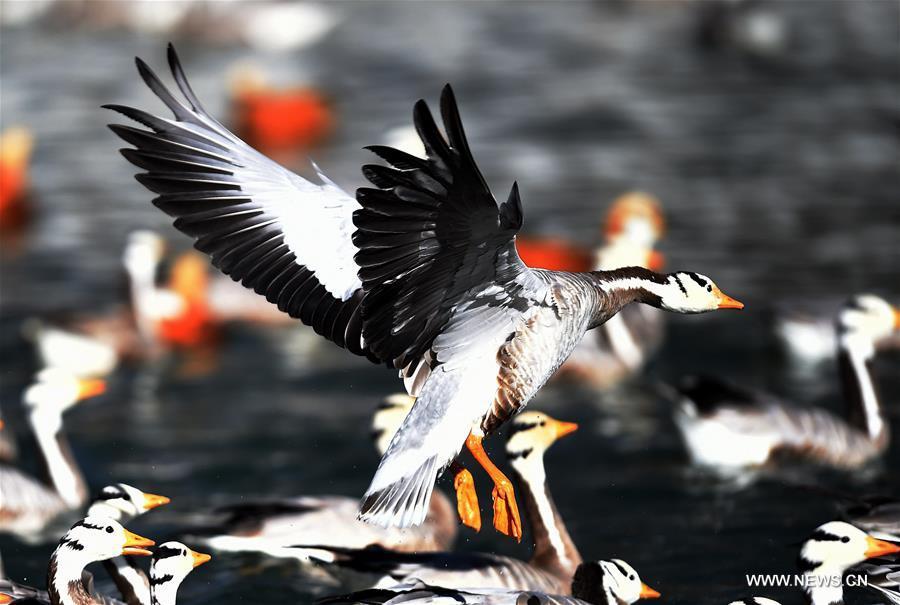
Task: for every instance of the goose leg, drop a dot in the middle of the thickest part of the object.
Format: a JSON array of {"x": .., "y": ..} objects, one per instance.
[
  {"x": 466, "y": 499},
  {"x": 506, "y": 511}
]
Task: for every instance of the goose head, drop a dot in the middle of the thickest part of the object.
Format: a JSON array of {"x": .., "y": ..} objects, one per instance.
[
  {"x": 388, "y": 418},
  {"x": 637, "y": 217},
  {"x": 53, "y": 392},
  {"x": 689, "y": 292},
  {"x": 831, "y": 550},
  {"x": 612, "y": 582},
  {"x": 123, "y": 502},
  {"x": 530, "y": 435},
  {"x": 96, "y": 538},
  {"x": 172, "y": 562},
  {"x": 144, "y": 250},
  {"x": 868, "y": 317}
]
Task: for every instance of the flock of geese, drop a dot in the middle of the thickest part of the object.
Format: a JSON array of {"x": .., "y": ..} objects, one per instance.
[{"x": 420, "y": 272}]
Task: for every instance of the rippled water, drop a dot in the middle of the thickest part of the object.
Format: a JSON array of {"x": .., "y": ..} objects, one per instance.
[{"x": 778, "y": 173}]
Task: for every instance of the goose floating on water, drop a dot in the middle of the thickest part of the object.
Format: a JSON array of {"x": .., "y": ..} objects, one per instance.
[
  {"x": 271, "y": 525},
  {"x": 612, "y": 582},
  {"x": 555, "y": 557},
  {"x": 724, "y": 426},
  {"x": 172, "y": 562},
  {"x": 419, "y": 272},
  {"x": 27, "y": 505}
]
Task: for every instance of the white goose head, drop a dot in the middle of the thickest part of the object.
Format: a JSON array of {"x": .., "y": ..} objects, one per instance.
[
  {"x": 96, "y": 538},
  {"x": 837, "y": 546},
  {"x": 689, "y": 292},
  {"x": 530, "y": 435},
  {"x": 172, "y": 562},
  {"x": 613, "y": 582},
  {"x": 868, "y": 317},
  {"x": 123, "y": 502},
  {"x": 55, "y": 391},
  {"x": 388, "y": 418}
]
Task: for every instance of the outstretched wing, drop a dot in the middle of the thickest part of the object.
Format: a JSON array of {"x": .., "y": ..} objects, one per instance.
[
  {"x": 443, "y": 284},
  {"x": 285, "y": 237},
  {"x": 429, "y": 236}
]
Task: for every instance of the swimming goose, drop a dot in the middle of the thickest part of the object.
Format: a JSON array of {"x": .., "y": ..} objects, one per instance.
[
  {"x": 172, "y": 562},
  {"x": 725, "y": 426},
  {"x": 123, "y": 503},
  {"x": 621, "y": 346},
  {"x": 270, "y": 525},
  {"x": 26, "y": 504},
  {"x": 419, "y": 272},
  {"x": 94, "y": 538},
  {"x": 553, "y": 560},
  {"x": 612, "y": 582}
]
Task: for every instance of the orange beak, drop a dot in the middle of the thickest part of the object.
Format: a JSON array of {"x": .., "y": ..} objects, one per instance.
[
  {"x": 90, "y": 387},
  {"x": 648, "y": 593},
  {"x": 133, "y": 544},
  {"x": 152, "y": 501},
  {"x": 896, "y": 318},
  {"x": 5, "y": 598},
  {"x": 199, "y": 558},
  {"x": 564, "y": 428},
  {"x": 879, "y": 548},
  {"x": 726, "y": 302}
]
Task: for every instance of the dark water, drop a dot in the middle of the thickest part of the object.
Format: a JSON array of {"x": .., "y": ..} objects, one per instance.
[{"x": 778, "y": 171}]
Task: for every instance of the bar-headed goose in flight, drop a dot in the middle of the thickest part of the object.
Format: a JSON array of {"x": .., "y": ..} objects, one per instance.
[
  {"x": 270, "y": 525},
  {"x": 94, "y": 538},
  {"x": 27, "y": 504},
  {"x": 419, "y": 271},
  {"x": 613, "y": 582},
  {"x": 553, "y": 561},
  {"x": 724, "y": 426}
]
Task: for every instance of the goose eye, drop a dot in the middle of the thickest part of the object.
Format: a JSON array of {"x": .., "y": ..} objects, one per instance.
[
  {"x": 709, "y": 288},
  {"x": 109, "y": 530},
  {"x": 631, "y": 577},
  {"x": 845, "y": 539}
]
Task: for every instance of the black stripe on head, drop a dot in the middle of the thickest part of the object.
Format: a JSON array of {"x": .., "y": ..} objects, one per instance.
[
  {"x": 522, "y": 454},
  {"x": 111, "y": 492},
  {"x": 621, "y": 569},
  {"x": 820, "y": 535},
  {"x": 518, "y": 427},
  {"x": 164, "y": 552},
  {"x": 84, "y": 523},
  {"x": 70, "y": 543},
  {"x": 156, "y": 581},
  {"x": 700, "y": 281},
  {"x": 680, "y": 285}
]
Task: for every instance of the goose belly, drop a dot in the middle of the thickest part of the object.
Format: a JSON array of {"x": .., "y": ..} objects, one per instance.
[{"x": 726, "y": 438}]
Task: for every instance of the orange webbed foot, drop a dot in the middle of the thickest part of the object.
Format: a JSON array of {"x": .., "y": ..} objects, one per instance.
[
  {"x": 506, "y": 510},
  {"x": 466, "y": 499}
]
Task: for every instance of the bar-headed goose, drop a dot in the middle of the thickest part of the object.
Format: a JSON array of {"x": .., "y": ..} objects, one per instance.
[
  {"x": 172, "y": 562},
  {"x": 612, "y": 582},
  {"x": 880, "y": 518},
  {"x": 553, "y": 561},
  {"x": 27, "y": 505},
  {"x": 419, "y": 271},
  {"x": 621, "y": 346},
  {"x": 724, "y": 426},
  {"x": 124, "y": 503},
  {"x": 270, "y": 525}
]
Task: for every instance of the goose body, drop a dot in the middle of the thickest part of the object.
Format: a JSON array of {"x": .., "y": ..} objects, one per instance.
[
  {"x": 725, "y": 426},
  {"x": 555, "y": 557},
  {"x": 596, "y": 583},
  {"x": 419, "y": 271},
  {"x": 28, "y": 505},
  {"x": 271, "y": 525}
]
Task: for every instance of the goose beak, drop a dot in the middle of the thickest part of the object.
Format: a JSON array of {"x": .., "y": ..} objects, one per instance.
[
  {"x": 5, "y": 598},
  {"x": 151, "y": 501},
  {"x": 897, "y": 318},
  {"x": 564, "y": 428},
  {"x": 879, "y": 548},
  {"x": 648, "y": 593},
  {"x": 199, "y": 558},
  {"x": 726, "y": 302},
  {"x": 134, "y": 542},
  {"x": 90, "y": 387}
]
